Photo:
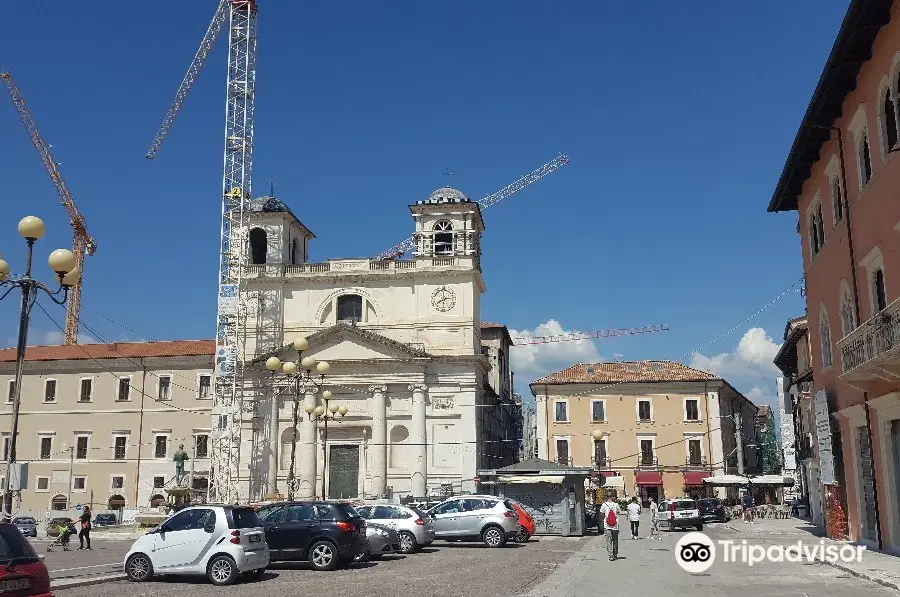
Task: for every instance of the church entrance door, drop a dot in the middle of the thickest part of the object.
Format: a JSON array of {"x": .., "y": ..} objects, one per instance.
[{"x": 343, "y": 472}]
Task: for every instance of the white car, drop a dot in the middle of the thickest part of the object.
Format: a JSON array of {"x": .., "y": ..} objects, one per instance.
[
  {"x": 679, "y": 513},
  {"x": 416, "y": 529},
  {"x": 221, "y": 542}
]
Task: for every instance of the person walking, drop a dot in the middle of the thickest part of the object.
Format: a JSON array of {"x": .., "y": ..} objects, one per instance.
[
  {"x": 609, "y": 515},
  {"x": 654, "y": 530},
  {"x": 634, "y": 516},
  {"x": 85, "y": 533}
]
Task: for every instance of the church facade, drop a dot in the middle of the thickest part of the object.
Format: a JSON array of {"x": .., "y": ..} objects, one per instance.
[{"x": 403, "y": 338}]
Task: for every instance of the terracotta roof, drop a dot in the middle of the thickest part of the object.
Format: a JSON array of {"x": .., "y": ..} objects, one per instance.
[
  {"x": 621, "y": 372},
  {"x": 485, "y": 325},
  {"x": 116, "y": 350}
]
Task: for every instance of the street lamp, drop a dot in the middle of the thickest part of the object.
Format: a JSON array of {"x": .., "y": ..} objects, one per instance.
[
  {"x": 65, "y": 266},
  {"x": 303, "y": 382}
]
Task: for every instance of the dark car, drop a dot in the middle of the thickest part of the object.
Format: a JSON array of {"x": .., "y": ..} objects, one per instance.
[
  {"x": 106, "y": 520},
  {"x": 713, "y": 509},
  {"x": 326, "y": 534},
  {"x": 26, "y": 525},
  {"x": 22, "y": 573}
]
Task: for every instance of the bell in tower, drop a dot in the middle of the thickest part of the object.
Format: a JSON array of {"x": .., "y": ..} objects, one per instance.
[{"x": 448, "y": 225}]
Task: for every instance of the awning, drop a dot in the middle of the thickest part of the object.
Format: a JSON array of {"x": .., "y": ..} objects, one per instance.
[
  {"x": 618, "y": 482},
  {"x": 530, "y": 479},
  {"x": 695, "y": 477},
  {"x": 726, "y": 480},
  {"x": 772, "y": 480},
  {"x": 648, "y": 478}
]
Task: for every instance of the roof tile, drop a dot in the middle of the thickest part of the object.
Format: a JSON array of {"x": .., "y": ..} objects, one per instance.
[
  {"x": 115, "y": 350},
  {"x": 627, "y": 371}
]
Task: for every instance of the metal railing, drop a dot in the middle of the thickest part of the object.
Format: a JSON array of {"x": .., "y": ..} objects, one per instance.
[
  {"x": 603, "y": 463},
  {"x": 697, "y": 461},
  {"x": 647, "y": 460},
  {"x": 873, "y": 338}
]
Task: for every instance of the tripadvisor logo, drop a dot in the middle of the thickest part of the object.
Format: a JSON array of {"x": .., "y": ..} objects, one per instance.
[{"x": 696, "y": 552}]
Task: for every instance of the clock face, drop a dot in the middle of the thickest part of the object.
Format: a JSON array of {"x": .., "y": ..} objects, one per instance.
[{"x": 443, "y": 299}]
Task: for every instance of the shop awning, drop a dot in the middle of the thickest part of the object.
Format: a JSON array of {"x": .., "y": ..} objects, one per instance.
[
  {"x": 530, "y": 479},
  {"x": 648, "y": 478},
  {"x": 695, "y": 477},
  {"x": 618, "y": 482}
]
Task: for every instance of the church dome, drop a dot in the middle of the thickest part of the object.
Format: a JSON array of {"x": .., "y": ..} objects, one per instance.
[
  {"x": 268, "y": 205},
  {"x": 446, "y": 195}
]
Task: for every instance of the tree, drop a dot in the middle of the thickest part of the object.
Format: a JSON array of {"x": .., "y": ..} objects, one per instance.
[{"x": 769, "y": 450}]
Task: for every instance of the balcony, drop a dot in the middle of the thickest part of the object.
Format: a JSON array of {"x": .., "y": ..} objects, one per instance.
[
  {"x": 647, "y": 461},
  {"x": 871, "y": 353},
  {"x": 337, "y": 267},
  {"x": 603, "y": 463},
  {"x": 695, "y": 462}
]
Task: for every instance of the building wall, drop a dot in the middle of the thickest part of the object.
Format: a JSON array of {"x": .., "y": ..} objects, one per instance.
[{"x": 140, "y": 419}]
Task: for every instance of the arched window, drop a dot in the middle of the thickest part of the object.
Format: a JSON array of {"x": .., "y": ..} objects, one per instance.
[
  {"x": 443, "y": 238},
  {"x": 816, "y": 229},
  {"x": 259, "y": 246},
  {"x": 848, "y": 313},
  {"x": 115, "y": 502},
  {"x": 157, "y": 500},
  {"x": 890, "y": 121},
  {"x": 295, "y": 251},
  {"x": 59, "y": 502},
  {"x": 825, "y": 337},
  {"x": 878, "y": 292},
  {"x": 865, "y": 157},
  {"x": 349, "y": 308}
]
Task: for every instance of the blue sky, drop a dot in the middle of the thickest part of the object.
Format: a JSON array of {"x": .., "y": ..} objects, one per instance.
[{"x": 677, "y": 118}]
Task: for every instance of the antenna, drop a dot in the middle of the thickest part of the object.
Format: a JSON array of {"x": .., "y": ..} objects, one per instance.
[{"x": 272, "y": 182}]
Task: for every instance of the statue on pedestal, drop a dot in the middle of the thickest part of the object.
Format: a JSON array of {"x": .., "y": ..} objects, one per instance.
[{"x": 180, "y": 458}]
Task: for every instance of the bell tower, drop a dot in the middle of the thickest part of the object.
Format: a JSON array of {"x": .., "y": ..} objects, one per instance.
[{"x": 448, "y": 225}]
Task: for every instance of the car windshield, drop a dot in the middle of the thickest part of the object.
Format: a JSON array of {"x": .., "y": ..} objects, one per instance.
[
  {"x": 14, "y": 547},
  {"x": 245, "y": 518},
  {"x": 685, "y": 505},
  {"x": 337, "y": 511},
  {"x": 709, "y": 502}
]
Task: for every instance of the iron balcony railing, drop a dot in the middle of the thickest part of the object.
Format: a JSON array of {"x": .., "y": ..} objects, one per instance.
[
  {"x": 873, "y": 338},
  {"x": 603, "y": 463},
  {"x": 695, "y": 461},
  {"x": 647, "y": 461}
]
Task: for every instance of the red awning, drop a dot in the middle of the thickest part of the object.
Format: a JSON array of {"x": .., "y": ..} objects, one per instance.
[
  {"x": 694, "y": 477},
  {"x": 648, "y": 478}
]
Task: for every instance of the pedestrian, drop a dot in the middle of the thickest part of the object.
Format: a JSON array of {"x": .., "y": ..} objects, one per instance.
[
  {"x": 85, "y": 533},
  {"x": 634, "y": 516},
  {"x": 654, "y": 530},
  {"x": 747, "y": 503},
  {"x": 609, "y": 514}
]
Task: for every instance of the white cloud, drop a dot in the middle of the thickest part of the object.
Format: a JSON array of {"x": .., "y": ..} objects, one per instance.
[
  {"x": 748, "y": 366},
  {"x": 531, "y": 361},
  {"x": 55, "y": 338}
]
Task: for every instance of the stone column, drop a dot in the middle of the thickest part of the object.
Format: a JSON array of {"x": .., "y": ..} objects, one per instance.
[
  {"x": 307, "y": 454},
  {"x": 542, "y": 440},
  {"x": 419, "y": 439},
  {"x": 379, "y": 440},
  {"x": 274, "y": 439}
]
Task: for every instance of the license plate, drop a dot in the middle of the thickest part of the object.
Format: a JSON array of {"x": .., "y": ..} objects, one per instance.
[
  {"x": 685, "y": 514},
  {"x": 17, "y": 584},
  {"x": 255, "y": 538}
]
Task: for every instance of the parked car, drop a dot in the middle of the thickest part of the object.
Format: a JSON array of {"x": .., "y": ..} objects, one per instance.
[
  {"x": 476, "y": 517},
  {"x": 22, "y": 571},
  {"x": 26, "y": 525},
  {"x": 54, "y": 524},
  {"x": 382, "y": 539},
  {"x": 416, "y": 528},
  {"x": 106, "y": 520},
  {"x": 713, "y": 509},
  {"x": 221, "y": 542},
  {"x": 679, "y": 513},
  {"x": 327, "y": 534},
  {"x": 526, "y": 523}
]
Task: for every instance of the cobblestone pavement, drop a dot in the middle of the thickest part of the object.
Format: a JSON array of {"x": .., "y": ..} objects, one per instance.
[{"x": 444, "y": 569}]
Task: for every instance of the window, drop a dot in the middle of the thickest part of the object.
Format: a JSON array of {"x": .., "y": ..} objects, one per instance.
[
  {"x": 561, "y": 411},
  {"x": 119, "y": 447},
  {"x": 825, "y": 337},
  {"x": 848, "y": 313},
  {"x": 87, "y": 387},
  {"x": 162, "y": 446},
  {"x": 295, "y": 251},
  {"x": 11, "y": 390},
  {"x": 159, "y": 482},
  {"x": 78, "y": 483},
  {"x": 864, "y": 158},
  {"x": 562, "y": 452},
  {"x": 647, "y": 456},
  {"x": 443, "y": 238},
  {"x": 691, "y": 410},
  {"x": 695, "y": 457},
  {"x": 124, "y": 388},
  {"x": 837, "y": 199},
  {"x": 644, "y": 412},
  {"x": 598, "y": 411},
  {"x": 59, "y": 503},
  {"x": 81, "y": 447},
  {"x": 46, "y": 447},
  {"x": 42, "y": 483},
  {"x": 50, "y": 390},
  {"x": 201, "y": 446},
  {"x": 205, "y": 386},
  {"x": 889, "y": 121},
  {"x": 600, "y": 456},
  {"x": 117, "y": 482},
  {"x": 879, "y": 298},
  {"x": 816, "y": 229},
  {"x": 349, "y": 308},
  {"x": 164, "y": 387},
  {"x": 5, "y": 449},
  {"x": 259, "y": 246}
]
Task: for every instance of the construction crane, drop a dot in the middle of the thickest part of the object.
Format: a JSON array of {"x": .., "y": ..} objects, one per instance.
[
  {"x": 240, "y": 86},
  {"x": 82, "y": 242},
  {"x": 608, "y": 333},
  {"x": 511, "y": 189}
]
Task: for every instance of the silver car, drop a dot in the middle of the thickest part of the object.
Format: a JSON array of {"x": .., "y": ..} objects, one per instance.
[
  {"x": 27, "y": 525},
  {"x": 476, "y": 517},
  {"x": 382, "y": 540},
  {"x": 416, "y": 529}
]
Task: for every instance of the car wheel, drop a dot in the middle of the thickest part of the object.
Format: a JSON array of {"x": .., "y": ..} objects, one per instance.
[
  {"x": 222, "y": 571},
  {"x": 408, "y": 542},
  {"x": 323, "y": 555},
  {"x": 254, "y": 574},
  {"x": 138, "y": 568},
  {"x": 493, "y": 536}
]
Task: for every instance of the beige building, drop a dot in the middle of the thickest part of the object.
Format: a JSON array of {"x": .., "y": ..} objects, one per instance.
[
  {"x": 650, "y": 428},
  {"x": 100, "y": 423}
]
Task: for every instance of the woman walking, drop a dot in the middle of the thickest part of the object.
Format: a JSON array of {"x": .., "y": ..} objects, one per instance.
[{"x": 85, "y": 533}]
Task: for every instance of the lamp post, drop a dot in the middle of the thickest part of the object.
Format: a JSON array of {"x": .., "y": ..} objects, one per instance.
[
  {"x": 304, "y": 382},
  {"x": 328, "y": 410},
  {"x": 64, "y": 265}
]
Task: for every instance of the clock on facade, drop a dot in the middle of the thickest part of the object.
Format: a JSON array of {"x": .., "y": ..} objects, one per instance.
[{"x": 443, "y": 299}]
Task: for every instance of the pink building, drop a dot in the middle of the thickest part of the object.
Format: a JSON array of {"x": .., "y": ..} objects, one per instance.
[{"x": 842, "y": 176}]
